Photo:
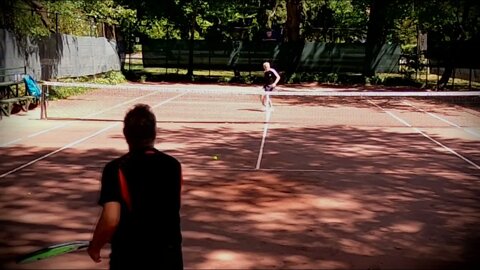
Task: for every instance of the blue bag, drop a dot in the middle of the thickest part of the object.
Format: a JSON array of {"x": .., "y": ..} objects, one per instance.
[{"x": 32, "y": 87}]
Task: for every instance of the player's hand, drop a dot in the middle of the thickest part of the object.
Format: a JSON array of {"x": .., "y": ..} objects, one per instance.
[{"x": 94, "y": 254}]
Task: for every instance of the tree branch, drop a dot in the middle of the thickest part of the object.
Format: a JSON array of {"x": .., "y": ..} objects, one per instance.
[{"x": 42, "y": 12}]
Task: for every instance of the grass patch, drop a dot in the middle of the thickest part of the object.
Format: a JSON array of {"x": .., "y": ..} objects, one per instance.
[
  {"x": 111, "y": 77},
  {"x": 62, "y": 92}
]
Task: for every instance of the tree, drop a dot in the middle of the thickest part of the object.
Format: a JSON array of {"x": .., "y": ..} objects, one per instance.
[
  {"x": 383, "y": 15},
  {"x": 376, "y": 34},
  {"x": 335, "y": 21},
  {"x": 40, "y": 9},
  {"x": 38, "y": 18},
  {"x": 185, "y": 15},
  {"x": 451, "y": 25},
  {"x": 294, "y": 19}
]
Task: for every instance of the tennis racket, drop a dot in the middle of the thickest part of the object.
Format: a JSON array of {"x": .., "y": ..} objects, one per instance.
[{"x": 52, "y": 251}]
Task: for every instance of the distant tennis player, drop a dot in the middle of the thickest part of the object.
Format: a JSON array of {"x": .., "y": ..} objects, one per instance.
[
  {"x": 271, "y": 77},
  {"x": 140, "y": 195}
]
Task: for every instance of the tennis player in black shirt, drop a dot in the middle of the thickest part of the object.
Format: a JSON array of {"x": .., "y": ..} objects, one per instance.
[
  {"x": 140, "y": 196},
  {"x": 271, "y": 78}
]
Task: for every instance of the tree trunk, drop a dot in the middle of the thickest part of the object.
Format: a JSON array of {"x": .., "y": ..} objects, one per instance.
[
  {"x": 40, "y": 10},
  {"x": 7, "y": 15},
  {"x": 376, "y": 34},
  {"x": 294, "y": 17},
  {"x": 447, "y": 73},
  {"x": 449, "y": 57},
  {"x": 191, "y": 47},
  {"x": 294, "y": 45}
]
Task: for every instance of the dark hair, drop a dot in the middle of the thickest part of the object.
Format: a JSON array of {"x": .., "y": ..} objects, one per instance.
[{"x": 140, "y": 126}]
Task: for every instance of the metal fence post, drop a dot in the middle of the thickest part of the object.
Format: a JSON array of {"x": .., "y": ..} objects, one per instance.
[{"x": 470, "y": 79}]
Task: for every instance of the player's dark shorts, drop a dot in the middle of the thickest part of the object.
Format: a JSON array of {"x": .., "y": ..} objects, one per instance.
[{"x": 268, "y": 88}]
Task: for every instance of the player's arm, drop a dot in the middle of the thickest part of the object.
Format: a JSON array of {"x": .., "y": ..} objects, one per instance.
[
  {"x": 277, "y": 77},
  {"x": 106, "y": 226}
]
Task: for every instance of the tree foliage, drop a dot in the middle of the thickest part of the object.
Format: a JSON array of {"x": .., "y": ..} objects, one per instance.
[
  {"x": 311, "y": 19},
  {"x": 37, "y": 18},
  {"x": 374, "y": 22},
  {"x": 335, "y": 21},
  {"x": 453, "y": 28}
]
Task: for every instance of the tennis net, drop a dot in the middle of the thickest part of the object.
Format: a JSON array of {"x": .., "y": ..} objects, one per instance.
[{"x": 237, "y": 104}]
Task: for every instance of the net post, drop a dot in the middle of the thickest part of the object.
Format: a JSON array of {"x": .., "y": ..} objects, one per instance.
[{"x": 43, "y": 103}]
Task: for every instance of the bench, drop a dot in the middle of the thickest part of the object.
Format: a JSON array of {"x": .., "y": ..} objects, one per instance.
[
  {"x": 6, "y": 105},
  {"x": 9, "y": 78},
  {"x": 6, "y": 89}
]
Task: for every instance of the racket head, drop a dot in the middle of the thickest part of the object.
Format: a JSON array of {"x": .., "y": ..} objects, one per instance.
[{"x": 52, "y": 251}]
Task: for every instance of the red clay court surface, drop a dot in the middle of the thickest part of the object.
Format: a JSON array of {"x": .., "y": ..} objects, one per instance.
[{"x": 319, "y": 183}]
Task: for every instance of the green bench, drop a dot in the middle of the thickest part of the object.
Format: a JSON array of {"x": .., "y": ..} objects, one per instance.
[
  {"x": 6, "y": 88},
  {"x": 6, "y": 105},
  {"x": 10, "y": 78}
]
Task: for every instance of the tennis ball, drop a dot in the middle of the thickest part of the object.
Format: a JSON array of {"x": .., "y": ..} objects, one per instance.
[{"x": 215, "y": 157}]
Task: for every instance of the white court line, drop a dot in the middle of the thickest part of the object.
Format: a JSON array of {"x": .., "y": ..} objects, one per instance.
[
  {"x": 58, "y": 150},
  {"x": 77, "y": 141},
  {"x": 283, "y": 170},
  {"x": 264, "y": 137},
  {"x": 427, "y": 136},
  {"x": 442, "y": 119},
  {"x": 71, "y": 122},
  {"x": 168, "y": 100}
]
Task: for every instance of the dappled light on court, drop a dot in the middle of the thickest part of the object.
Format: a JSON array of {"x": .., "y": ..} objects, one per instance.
[
  {"x": 359, "y": 248},
  {"x": 335, "y": 203},
  {"x": 407, "y": 227},
  {"x": 222, "y": 255},
  {"x": 334, "y": 186},
  {"x": 221, "y": 259}
]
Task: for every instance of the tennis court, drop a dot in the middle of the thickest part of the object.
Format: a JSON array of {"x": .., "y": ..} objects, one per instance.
[{"x": 331, "y": 179}]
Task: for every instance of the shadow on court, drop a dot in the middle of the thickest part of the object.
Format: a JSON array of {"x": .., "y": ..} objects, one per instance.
[{"x": 325, "y": 198}]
